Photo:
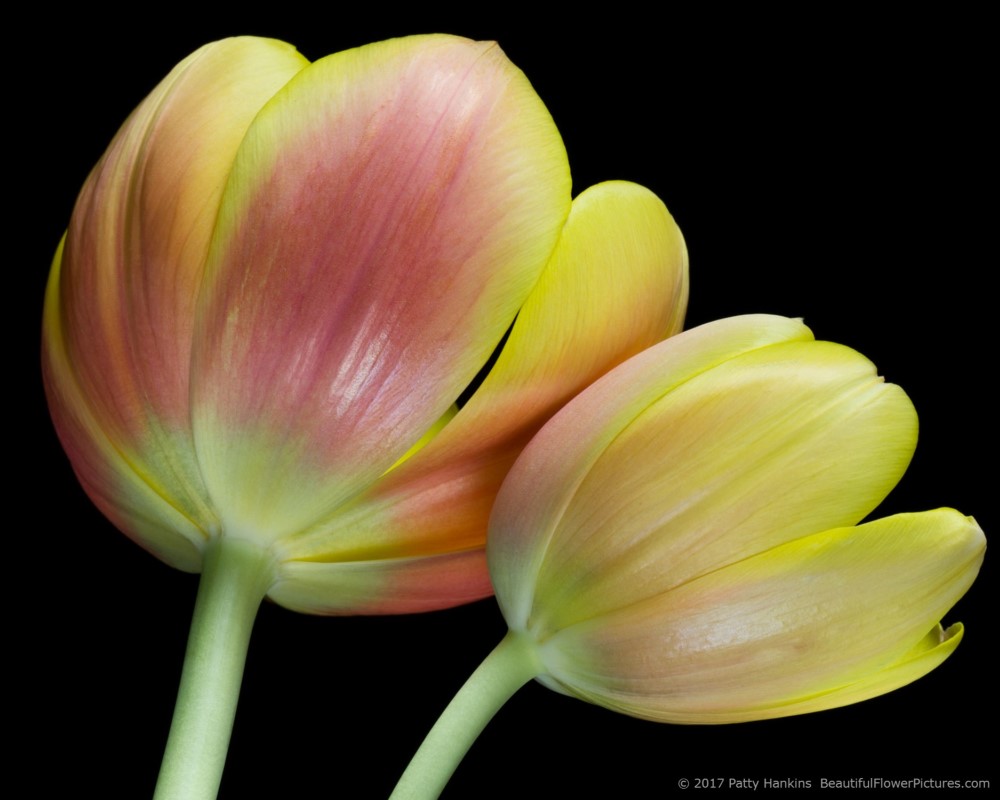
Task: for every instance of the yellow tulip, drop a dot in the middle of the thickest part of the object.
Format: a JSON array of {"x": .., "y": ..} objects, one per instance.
[
  {"x": 691, "y": 558},
  {"x": 680, "y": 543}
]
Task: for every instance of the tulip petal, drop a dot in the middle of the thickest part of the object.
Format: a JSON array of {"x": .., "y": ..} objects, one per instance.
[
  {"x": 128, "y": 279},
  {"x": 388, "y": 213},
  {"x": 767, "y": 447},
  {"x": 819, "y": 622},
  {"x": 382, "y": 585},
  {"x": 928, "y": 654},
  {"x": 616, "y": 284},
  {"x": 549, "y": 474},
  {"x": 113, "y": 478}
]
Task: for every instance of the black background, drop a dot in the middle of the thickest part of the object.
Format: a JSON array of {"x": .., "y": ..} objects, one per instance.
[{"x": 828, "y": 168}]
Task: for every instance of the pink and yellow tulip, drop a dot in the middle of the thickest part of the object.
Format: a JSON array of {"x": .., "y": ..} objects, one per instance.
[
  {"x": 275, "y": 285},
  {"x": 280, "y": 277},
  {"x": 681, "y": 542}
]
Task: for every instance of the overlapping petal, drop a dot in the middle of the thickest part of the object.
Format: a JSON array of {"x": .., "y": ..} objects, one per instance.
[
  {"x": 616, "y": 284},
  {"x": 826, "y": 620},
  {"x": 387, "y": 215},
  {"x": 677, "y": 543},
  {"x": 119, "y": 309},
  {"x": 769, "y": 446},
  {"x": 564, "y": 451}
]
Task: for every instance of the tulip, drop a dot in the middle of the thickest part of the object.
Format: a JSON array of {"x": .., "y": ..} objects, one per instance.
[
  {"x": 273, "y": 288},
  {"x": 680, "y": 542}
]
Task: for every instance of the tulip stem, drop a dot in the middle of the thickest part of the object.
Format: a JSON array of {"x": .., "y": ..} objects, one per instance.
[
  {"x": 511, "y": 665},
  {"x": 236, "y": 576}
]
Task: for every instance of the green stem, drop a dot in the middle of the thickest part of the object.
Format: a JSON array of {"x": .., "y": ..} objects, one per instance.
[
  {"x": 236, "y": 576},
  {"x": 511, "y": 665}
]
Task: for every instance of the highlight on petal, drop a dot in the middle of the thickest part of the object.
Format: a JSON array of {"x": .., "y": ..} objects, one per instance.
[
  {"x": 616, "y": 284},
  {"x": 119, "y": 309},
  {"x": 387, "y": 198},
  {"x": 816, "y": 623}
]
